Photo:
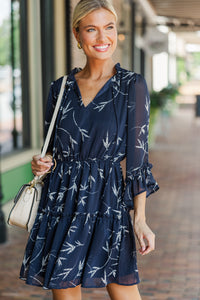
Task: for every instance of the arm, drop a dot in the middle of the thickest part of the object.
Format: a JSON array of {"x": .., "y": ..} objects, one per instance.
[
  {"x": 140, "y": 182},
  {"x": 39, "y": 165},
  {"x": 142, "y": 230}
]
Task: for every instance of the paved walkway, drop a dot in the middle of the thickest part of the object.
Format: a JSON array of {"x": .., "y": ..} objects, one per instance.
[{"x": 172, "y": 272}]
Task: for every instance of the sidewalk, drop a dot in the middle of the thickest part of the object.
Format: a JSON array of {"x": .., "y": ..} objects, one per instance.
[{"x": 172, "y": 272}]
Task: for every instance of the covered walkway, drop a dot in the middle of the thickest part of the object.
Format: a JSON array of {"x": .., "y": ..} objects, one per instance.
[{"x": 172, "y": 272}]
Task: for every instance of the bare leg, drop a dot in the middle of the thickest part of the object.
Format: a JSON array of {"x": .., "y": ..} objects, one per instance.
[
  {"x": 123, "y": 292},
  {"x": 67, "y": 294}
]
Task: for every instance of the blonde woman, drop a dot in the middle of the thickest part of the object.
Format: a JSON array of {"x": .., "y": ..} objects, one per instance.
[{"x": 83, "y": 233}]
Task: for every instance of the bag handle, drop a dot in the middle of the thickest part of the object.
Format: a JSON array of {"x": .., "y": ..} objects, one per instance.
[{"x": 53, "y": 120}]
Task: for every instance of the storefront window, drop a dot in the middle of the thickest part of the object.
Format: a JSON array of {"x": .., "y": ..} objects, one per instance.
[{"x": 10, "y": 77}]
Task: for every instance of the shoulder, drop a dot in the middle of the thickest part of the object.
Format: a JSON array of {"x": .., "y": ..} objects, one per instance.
[
  {"x": 131, "y": 77},
  {"x": 56, "y": 84}
]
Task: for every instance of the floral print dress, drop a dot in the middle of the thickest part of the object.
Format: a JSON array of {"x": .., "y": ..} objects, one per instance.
[{"x": 83, "y": 233}]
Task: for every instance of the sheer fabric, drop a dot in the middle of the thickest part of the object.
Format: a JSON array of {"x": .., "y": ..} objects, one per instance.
[{"x": 83, "y": 233}]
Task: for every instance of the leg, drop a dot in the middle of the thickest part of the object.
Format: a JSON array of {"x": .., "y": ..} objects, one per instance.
[
  {"x": 67, "y": 294},
  {"x": 123, "y": 292}
]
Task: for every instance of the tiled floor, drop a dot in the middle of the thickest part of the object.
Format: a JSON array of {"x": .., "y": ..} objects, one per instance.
[{"x": 172, "y": 272}]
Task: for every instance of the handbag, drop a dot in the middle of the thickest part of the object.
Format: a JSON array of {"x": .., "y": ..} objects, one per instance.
[{"x": 26, "y": 202}]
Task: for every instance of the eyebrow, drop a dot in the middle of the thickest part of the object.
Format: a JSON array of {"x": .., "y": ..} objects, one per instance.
[{"x": 111, "y": 23}]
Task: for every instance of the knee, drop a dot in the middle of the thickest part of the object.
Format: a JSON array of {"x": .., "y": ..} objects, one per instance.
[
  {"x": 121, "y": 292},
  {"x": 67, "y": 294}
]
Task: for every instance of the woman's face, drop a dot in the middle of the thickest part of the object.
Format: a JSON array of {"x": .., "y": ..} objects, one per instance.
[{"x": 98, "y": 34}]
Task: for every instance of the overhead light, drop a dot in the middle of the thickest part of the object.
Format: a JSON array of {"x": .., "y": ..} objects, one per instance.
[{"x": 163, "y": 28}]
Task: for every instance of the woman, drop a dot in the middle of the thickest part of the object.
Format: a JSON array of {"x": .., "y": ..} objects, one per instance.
[{"x": 83, "y": 234}]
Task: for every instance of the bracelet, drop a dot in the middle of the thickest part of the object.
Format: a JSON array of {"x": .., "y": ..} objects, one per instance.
[
  {"x": 50, "y": 156},
  {"x": 55, "y": 165}
]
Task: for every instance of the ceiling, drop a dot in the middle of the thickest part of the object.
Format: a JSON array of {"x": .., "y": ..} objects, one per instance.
[{"x": 182, "y": 15}]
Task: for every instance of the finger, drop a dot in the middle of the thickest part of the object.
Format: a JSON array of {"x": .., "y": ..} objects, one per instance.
[
  {"x": 36, "y": 157},
  {"x": 46, "y": 159},
  {"x": 142, "y": 244},
  {"x": 150, "y": 245},
  {"x": 39, "y": 173}
]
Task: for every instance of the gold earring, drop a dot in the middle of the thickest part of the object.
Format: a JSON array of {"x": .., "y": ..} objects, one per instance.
[{"x": 79, "y": 46}]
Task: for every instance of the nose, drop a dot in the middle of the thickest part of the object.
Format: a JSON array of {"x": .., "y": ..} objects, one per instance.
[{"x": 101, "y": 36}]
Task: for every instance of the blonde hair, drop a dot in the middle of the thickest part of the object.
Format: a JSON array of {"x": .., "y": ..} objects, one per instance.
[{"x": 84, "y": 7}]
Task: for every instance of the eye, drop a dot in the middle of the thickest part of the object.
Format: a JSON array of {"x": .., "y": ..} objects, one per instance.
[
  {"x": 110, "y": 27},
  {"x": 90, "y": 30}
]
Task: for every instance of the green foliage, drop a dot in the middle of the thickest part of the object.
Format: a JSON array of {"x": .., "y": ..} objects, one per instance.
[
  {"x": 161, "y": 98},
  {"x": 5, "y": 43},
  {"x": 5, "y": 40}
]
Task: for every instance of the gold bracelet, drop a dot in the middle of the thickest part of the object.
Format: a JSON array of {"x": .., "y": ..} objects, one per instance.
[
  {"x": 50, "y": 156},
  {"x": 55, "y": 165}
]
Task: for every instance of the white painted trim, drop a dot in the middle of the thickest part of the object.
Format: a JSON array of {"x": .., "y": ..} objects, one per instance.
[
  {"x": 17, "y": 160},
  {"x": 148, "y": 9},
  {"x": 60, "y": 38},
  {"x": 35, "y": 67}
]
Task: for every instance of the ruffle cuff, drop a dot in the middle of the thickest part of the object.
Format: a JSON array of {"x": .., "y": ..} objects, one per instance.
[{"x": 138, "y": 182}]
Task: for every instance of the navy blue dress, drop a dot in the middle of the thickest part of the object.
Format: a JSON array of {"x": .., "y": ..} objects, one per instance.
[{"x": 83, "y": 233}]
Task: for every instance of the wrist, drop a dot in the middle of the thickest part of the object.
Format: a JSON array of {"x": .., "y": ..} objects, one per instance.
[{"x": 139, "y": 217}]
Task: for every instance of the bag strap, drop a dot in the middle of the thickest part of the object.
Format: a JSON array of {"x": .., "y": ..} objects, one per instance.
[{"x": 53, "y": 120}]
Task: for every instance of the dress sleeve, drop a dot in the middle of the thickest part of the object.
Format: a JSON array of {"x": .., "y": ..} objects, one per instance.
[{"x": 138, "y": 169}]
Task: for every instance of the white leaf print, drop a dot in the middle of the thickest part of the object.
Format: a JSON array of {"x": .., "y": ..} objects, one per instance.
[
  {"x": 72, "y": 229},
  {"x": 83, "y": 187},
  {"x": 118, "y": 140},
  {"x": 93, "y": 271},
  {"x": 115, "y": 190},
  {"x": 101, "y": 105},
  {"x": 51, "y": 195},
  {"x": 74, "y": 186},
  {"x": 107, "y": 156},
  {"x": 101, "y": 173},
  {"x": 104, "y": 279},
  {"x": 69, "y": 248},
  {"x": 91, "y": 179},
  {"x": 80, "y": 267},
  {"x": 59, "y": 261},
  {"x": 106, "y": 248},
  {"x": 147, "y": 106},
  {"x": 112, "y": 273},
  {"x": 106, "y": 142},
  {"x": 87, "y": 218},
  {"x": 65, "y": 110},
  {"x": 65, "y": 273},
  {"x": 82, "y": 201},
  {"x": 72, "y": 142},
  {"x": 119, "y": 213},
  {"x": 81, "y": 130}
]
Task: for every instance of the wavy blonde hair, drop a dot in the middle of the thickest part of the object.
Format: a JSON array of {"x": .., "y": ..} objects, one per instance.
[{"x": 84, "y": 7}]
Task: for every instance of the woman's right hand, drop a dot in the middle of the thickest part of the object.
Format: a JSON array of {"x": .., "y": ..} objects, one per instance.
[{"x": 40, "y": 166}]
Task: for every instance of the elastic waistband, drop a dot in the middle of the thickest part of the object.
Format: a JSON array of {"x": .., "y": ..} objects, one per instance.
[{"x": 87, "y": 160}]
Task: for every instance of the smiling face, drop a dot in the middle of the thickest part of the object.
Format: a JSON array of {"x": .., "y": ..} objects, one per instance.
[{"x": 98, "y": 34}]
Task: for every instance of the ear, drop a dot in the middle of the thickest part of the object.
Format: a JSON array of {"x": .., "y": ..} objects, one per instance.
[{"x": 76, "y": 35}]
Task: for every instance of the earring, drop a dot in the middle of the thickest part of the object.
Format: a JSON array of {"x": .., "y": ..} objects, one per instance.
[{"x": 79, "y": 46}]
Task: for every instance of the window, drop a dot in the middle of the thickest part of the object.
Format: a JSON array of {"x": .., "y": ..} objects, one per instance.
[{"x": 11, "y": 120}]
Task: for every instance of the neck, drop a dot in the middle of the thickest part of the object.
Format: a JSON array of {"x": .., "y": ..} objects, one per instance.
[{"x": 96, "y": 69}]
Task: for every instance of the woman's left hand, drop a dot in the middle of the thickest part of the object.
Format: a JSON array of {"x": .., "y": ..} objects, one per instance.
[{"x": 145, "y": 236}]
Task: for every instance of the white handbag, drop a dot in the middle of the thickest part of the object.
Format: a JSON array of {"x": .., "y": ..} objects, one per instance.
[{"x": 26, "y": 202}]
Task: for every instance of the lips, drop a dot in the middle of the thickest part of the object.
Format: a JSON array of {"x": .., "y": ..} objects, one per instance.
[{"x": 101, "y": 48}]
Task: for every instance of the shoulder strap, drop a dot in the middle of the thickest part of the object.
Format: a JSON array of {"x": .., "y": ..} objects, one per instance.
[{"x": 51, "y": 126}]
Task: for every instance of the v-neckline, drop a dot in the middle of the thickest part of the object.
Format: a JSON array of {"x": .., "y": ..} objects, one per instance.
[{"x": 79, "y": 92}]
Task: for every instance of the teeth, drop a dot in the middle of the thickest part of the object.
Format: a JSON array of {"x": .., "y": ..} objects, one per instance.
[{"x": 101, "y": 47}]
